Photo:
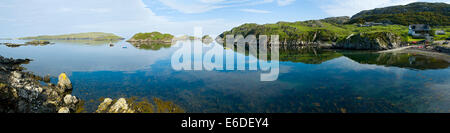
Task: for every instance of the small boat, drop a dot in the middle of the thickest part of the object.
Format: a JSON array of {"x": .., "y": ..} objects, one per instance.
[{"x": 124, "y": 47}]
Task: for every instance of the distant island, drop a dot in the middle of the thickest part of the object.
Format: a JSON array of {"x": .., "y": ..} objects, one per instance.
[
  {"x": 153, "y": 37},
  {"x": 96, "y": 36}
]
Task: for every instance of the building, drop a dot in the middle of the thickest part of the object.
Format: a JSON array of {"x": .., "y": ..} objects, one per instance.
[
  {"x": 419, "y": 30},
  {"x": 440, "y": 32}
]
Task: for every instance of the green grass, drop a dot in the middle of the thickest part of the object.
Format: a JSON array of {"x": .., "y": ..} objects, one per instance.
[
  {"x": 307, "y": 29},
  {"x": 98, "y": 36},
  {"x": 442, "y": 37},
  {"x": 153, "y": 36}
]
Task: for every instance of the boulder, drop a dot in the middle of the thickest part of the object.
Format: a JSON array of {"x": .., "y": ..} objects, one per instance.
[
  {"x": 70, "y": 100},
  {"x": 103, "y": 107},
  {"x": 121, "y": 106},
  {"x": 64, "y": 83}
]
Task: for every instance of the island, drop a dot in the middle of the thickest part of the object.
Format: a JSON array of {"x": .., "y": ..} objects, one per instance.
[
  {"x": 34, "y": 43},
  {"x": 96, "y": 36},
  {"x": 153, "y": 37}
]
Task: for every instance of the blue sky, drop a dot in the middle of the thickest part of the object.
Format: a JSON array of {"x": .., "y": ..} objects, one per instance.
[{"x": 125, "y": 17}]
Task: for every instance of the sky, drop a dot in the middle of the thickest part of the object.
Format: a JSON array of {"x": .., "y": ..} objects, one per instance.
[{"x": 19, "y": 18}]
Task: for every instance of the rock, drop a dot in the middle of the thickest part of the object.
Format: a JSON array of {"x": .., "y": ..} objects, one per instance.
[
  {"x": 64, "y": 110},
  {"x": 64, "y": 82},
  {"x": 47, "y": 78},
  {"x": 121, "y": 106},
  {"x": 38, "y": 42},
  {"x": 370, "y": 41},
  {"x": 16, "y": 74},
  {"x": 103, "y": 107},
  {"x": 443, "y": 49},
  {"x": 69, "y": 99},
  {"x": 21, "y": 92}
]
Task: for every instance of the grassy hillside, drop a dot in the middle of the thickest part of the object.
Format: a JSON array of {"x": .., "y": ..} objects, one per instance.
[
  {"x": 100, "y": 36},
  {"x": 306, "y": 30},
  {"x": 435, "y": 14}
]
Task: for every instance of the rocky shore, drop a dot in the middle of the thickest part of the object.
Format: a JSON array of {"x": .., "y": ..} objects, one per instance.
[
  {"x": 21, "y": 92},
  {"x": 24, "y": 92}
]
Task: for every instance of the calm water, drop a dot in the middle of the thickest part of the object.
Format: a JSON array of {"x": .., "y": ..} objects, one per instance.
[{"x": 309, "y": 80}]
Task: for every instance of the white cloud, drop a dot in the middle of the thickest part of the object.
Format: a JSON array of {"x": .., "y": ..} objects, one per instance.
[
  {"x": 123, "y": 17},
  {"x": 255, "y": 11},
  {"x": 200, "y": 6},
  {"x": 351, "y": 7}
]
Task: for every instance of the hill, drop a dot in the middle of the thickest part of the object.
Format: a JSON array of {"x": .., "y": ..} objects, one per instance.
[
  {"x": 415, "y": 13},
  {"x": 97, "y": 36},
  {"x": 301, "y": 32}
]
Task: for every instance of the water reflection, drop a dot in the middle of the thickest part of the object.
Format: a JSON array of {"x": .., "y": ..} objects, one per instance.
[
  {"x": 310, "y": 80},
  {"x": 402, "y": 60},
  {"x": 151, "y": 46}
]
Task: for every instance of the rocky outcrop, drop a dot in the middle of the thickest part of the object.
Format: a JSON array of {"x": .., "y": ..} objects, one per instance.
[
  {"x": 35, "y": 42},
  {"x": 443, "y": 49},
  {"x": 337, "y": 20},
  {"x": 20, "y": 92},
  {"x": 370, "y": 41},
  {"x": 120, "y": 106}
]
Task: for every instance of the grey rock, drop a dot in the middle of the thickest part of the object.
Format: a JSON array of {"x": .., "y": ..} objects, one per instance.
[
  {"x": 370, "y": 41},
  {"x": 64, "y": 110}
]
